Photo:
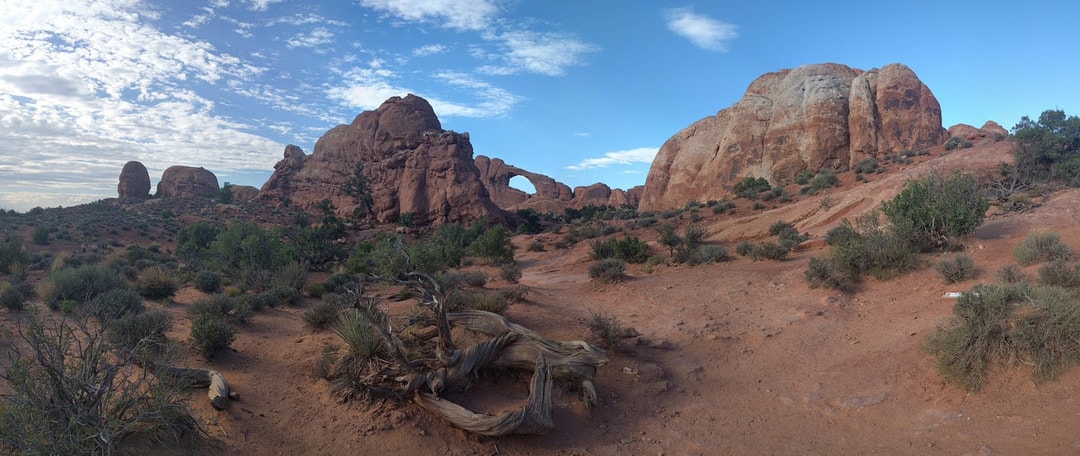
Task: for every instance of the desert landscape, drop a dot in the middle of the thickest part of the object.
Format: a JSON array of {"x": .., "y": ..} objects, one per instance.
[{"x": 736, "y": 352}]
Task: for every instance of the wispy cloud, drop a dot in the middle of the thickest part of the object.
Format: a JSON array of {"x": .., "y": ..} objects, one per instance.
[
  {"x": 705, "y": 32},
  {"x": 431, "y": 49},
  {"x": 534, "y": 52},
  {"x": 622, "y": 157},
  {"x": 455, "y": 14},
  {"x": 315, "y": 38},
  {"x": 261, "y": 5}
]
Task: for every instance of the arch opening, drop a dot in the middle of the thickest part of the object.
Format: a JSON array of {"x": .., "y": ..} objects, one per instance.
[{"x": 522, "y": 183}]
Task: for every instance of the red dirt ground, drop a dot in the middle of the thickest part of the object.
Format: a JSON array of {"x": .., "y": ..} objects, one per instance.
[{"x": 748, "y": 358}]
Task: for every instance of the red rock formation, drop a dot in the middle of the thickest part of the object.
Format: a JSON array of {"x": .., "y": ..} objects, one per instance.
[
  {"x": 186, "y": 182},
  {"x": 134, "y": 181},
  {"x": 496, "y": 175},
  {"x": 412, "y": 165},
  {"x": 990, "y": 132},
  {"x": 809, "y": 118},
  {"x": 244, "y": 193}
]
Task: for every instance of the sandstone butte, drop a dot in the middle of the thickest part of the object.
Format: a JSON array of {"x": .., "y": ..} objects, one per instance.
[
  {"x": 551, "y": 195},
  {"x": 187, "y": 182},
  {"x": 822, "y": 116},
  {"x": 134, "y": 181},
  {"x": 412, "y": 165}
]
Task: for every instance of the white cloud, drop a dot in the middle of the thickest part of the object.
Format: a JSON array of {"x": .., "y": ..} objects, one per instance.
[
  {"x": 431, "y": 49},
  {"x": 703, "y": 31},
  {"x": 317, "y": 37},
  {"x": 534, "y": 52},
  {"x": 261, "y": 5},
  {"x": 492, "y": 101},
  {"x": 116, "y": 89},
  {"x": 622, "y": 157},
  {"x": 456, "y": 14}
]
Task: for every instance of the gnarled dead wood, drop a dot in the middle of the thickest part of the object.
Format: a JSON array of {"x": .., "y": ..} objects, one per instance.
[
  {"x": 533, "y": 418},
  {"x": 218, "y": 388}
]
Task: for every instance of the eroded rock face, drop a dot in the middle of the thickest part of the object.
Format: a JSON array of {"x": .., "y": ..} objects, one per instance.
[
  {"x": 186, "y": 182},
  {"x": 134, "y": 181},
  {"x": 808, "y": 118},
  {"x": 244, "y": 193},
  {"x": 496, "y": 174},
  {"x": 990, "y": 132},
  {"x": 411, "y": 163}
]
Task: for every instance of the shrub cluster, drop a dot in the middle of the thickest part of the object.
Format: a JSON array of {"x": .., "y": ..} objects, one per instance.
[
  {"x": 157, "y": 283},
  {"x": 750, "y": 188},
  {"x": 79, "y": 284},
  {"x": 628, "y": 249},
  {"x": 1039, "y": 246},
  {"x": 938, "y": 209},
  {"x": 609, "y": 270},
  {"x": 957, "y": 268}
]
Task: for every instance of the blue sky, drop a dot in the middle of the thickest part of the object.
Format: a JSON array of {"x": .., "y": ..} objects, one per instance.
[{"x": 583, "y": 91}]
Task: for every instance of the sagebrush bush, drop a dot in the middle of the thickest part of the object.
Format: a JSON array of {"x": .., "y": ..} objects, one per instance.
[
  {"x": 210, "y": 334},
  {"x": 78, "y": 284},
  {"x": 157, "y": 283},
  {"x": 607, "y": 330},
  {"x": 744, "y": 248},
  {"x": 139, "y": 332},
  {"x": 537, "y": 246},
  {"x": 823, "y": 273},
  {"x": 628, "y": 249},
  {"x": 1060, "y": 273},
  {"x": 316, "y": 290},
  {"x": 491, "y": 301},
  {"x": 1050, "y": 335},
  {"x": 208, "y": 281},
  {"x": 769, "y": 251},
  {"x": 1012, "y": 274},
  {"x": 709, "y": 254},
  {"x": 13, "y": 296},
  {"x": 114, "y": 304},
  {"x": 322, "y": 315},
  {"x": 510, "y": 272},
  {"x": 956, "y": 268},
  {"x": 214, "y": 305},
  {"x": 608, "y": 270},
  {"x": 1040, "y": 246},
  {"x": 13, "y": 255}
]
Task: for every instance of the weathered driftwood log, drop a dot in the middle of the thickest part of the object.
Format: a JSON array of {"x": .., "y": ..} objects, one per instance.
[
  {"x": 574, "y": 360},
  {"x": 533, "y": 418},
  {"x": 218, "y": 388}
]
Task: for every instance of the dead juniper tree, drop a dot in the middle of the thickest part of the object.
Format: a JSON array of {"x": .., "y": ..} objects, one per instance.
[{"x": 439, "y": 351}]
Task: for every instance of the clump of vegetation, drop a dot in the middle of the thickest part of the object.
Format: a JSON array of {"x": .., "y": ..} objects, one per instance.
[
  {"x": 211, "y": 333},
  {"x": 957, "y": 142},
  {"x": 114, "y": 304},
  {"x": 510, "y": 272},
  {"x": 823, "y": 273},
  {"x": 957, "y": 268},
  {"x": 608, "y": 331},
  {"x": 79, "y": 284},
  {"x": 208, "y": 281},
  {"x": 864, "y": 248},
  {"x": 1040, "y": 246},
  {"x": 13, "y": 255},
  {"x": 628, "y": 249},
  {"x": 867, "y": 166},
  {"x": 938, "y": 210},
  {"x": 1011, "y": 274},
  {"x": 750, "y": 188},
  {"x": 157, "y": 283},
  {"x": 609, "y": 270},
  {"x": 67, "y": 394},
  {"x": 13, "y": 295},
  {"x": 40, "y": 235},
  {"x": 322, "y": 315},
  {"x": 1060, "y": 273}
]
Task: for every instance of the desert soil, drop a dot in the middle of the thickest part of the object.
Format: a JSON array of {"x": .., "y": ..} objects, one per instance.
[{"x": 734, "y": 358}]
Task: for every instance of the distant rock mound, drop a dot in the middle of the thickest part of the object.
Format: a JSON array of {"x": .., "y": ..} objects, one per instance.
[
  {"x": 551, "y": 195},
  {"x": 412, "y": 164},
  {"x": 809, "y": 118},
  {"x": 187, "y": 182},
  {"x": 990, "y": 132},
  {"x": 244, "y": 193},
  {"x": 134, "y": 181}
]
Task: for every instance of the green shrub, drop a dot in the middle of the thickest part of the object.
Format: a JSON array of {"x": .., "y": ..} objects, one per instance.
[
  {"x": 1011, "y": 274},
  {"x": 750, "y": 187},
  {"x": 867, "y": 165},
  {"x": 114, "y": 304},
  {"x": 157, "y": 283},
  {"x": 510, "y": 272},
  {"x": 823, "y": 273},
  {"x": 609, "y": 270},
  {"x": 938, "y": 209},
  {"x": 359, "y": 336},
  {"x": 957, "y": 142},
  {"x": 1040, "y": 246},
  {"x": 208, "y": 281},
  {"x": 135, "y": 332},
  {"x": 769, "y": 251},
  {"x": 869, "y": 248},
  {"x": 78, "y": 284},
  {"x": 823, "y": 180},
  {"x": 744, "y": 248},
  {"x": 979, "y": 333},
  {"x": 803, "y": 177},
  {"x": 628, "y": 249},
  {"x": 322, "y": 315},
  {"x": 958, "y": 268},
  {"x": 13, "y": 255},
  {"x": 40, "y": 235},
  {"x": 536, "y": 246},
  {"x": 1060, "y": 273},
  {"x": 709, "y": 254},
  {"x": 1050, "y": 335},
  {"x": 210, "y": 334},
  {"x": 668, "y": 237},
  {"x": 316, "y": 290},
  {"x": 494, "y": 245},
  {"x": 13, "y": 295}
]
